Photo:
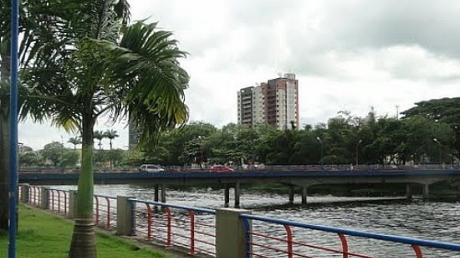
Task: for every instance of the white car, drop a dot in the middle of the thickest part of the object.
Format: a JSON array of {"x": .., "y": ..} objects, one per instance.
[{"x": 150, "y": 168}]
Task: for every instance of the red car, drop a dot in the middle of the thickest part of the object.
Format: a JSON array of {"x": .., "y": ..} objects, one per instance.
[{"x": 220, "y": 168}]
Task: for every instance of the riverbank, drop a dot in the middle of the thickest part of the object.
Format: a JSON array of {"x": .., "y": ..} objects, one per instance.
[{"x": 43, "y": 235}]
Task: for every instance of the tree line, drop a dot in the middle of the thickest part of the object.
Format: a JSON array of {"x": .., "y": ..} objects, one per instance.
[
  {"x": 419, "y": 137},
  {"x": 55, "y": 154},
  {"x": 427, "y": 133}
]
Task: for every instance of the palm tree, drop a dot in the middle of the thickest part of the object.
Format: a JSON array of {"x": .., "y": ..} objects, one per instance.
[
  {"x": 102, "y": 67},
  {"x": 111, "y": 134},
  {"x": 4, "y": 154},
  {"x": 35, "y": 27},
  {"x": 5, "y": 49},
  {"x": 99, "y": 135},
  {"x": 75, "y": 141}
]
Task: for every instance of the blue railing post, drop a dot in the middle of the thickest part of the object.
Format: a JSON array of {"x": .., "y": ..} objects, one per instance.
[
  {"x": 13, "y": 175},
  {"x": 132, "y": 208},
  {"x": 247, "y": 239}
]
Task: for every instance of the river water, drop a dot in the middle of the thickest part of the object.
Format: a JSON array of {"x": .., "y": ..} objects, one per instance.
[{"x": 430, "y": 220}]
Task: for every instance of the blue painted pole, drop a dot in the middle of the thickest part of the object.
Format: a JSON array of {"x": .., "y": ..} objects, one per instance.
[{"x": 13, "y": 184}]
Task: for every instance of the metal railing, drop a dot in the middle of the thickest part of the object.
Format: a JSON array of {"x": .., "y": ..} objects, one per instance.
[
  {"x": 174, "y": 225},
  {"x": 325, "y": 167},
  {"x": 193, "y": 230},
  {"x": 105, "y": 211},
  {"x": 35, "y": 195},
  {"x": 58, "y": 201},
  {"x": 278, "y": 239}
]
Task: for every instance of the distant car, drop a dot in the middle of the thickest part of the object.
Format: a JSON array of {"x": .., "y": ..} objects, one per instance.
[
  {"x": 220, "y": 168},
  {"x": 150, "y": 168}
]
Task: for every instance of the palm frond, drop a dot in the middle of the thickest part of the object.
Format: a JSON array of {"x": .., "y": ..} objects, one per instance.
[{"x": 149, "y": 81}]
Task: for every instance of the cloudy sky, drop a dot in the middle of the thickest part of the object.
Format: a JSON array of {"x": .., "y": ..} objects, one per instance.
[{"x": 347, "y": 55}]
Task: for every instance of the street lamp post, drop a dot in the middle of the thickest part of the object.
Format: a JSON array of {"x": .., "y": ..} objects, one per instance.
[
  {"x": 321, "y": 142},
  {"x": 440, "y": 153},
  {"x": 357, "y": 151},
  {"x": 201, "y": 152},
  {"x": 457, "y": 140}
]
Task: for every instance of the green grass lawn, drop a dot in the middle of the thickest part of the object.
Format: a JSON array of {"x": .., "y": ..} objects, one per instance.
[{"x": 42, "y": 235}]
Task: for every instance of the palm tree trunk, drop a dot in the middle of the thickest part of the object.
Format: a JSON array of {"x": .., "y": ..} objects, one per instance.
[
  {"x": 83, "y": 239},
  {"x": 111, "y": 161},
  {"x": 4, "y": 135},
  {"x": 4, "y": 170}
]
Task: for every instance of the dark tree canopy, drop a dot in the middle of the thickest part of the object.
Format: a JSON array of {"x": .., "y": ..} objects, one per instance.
[{"x": 446, "y": 110}]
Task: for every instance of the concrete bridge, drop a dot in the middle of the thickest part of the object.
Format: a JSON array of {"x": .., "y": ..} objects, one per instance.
[{"x": 304, "y": 179}]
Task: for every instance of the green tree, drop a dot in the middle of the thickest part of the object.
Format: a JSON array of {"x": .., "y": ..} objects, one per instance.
[
  {"x": 37, "y": 28},
  {"x": 75, "y": 141},
  {"x": 29, "y": 159},
  {"x": 5, "y": 49},
  {"x": 445, "y": 110},
  {"x": 53, "y": 152},
  {"x": 4, "y": 152},
  {"x": 111, "y": 134},
  {"x": 116, "y": 155},
  {"x": 99, "y": 135},
  {"x": 99, "y": 66},
  {"x": 69, "y": 158}
]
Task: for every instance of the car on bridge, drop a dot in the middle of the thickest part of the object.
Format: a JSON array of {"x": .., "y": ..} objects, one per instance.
[
  {"x": 151, "y": 168},
  {"x": 220, "y": 168}
]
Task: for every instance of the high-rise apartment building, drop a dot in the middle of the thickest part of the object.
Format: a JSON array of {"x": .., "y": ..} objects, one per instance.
[{"x": 274, "y": 102}]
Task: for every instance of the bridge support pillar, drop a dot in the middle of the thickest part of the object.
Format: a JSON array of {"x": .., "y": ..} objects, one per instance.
[
  {"x": 156, "y": 193},
  {"x": 426, "y": 191},
  {"x": 458, "y": 192},
  {"x": 163, "y": 193},
  {"x": 237, "y": 194},
  {"x": 408, "y": 192},
  {"x": 304, "y": 194},
  {"x": 226, "y": 195},
  {"x": 291, "y": 194}
]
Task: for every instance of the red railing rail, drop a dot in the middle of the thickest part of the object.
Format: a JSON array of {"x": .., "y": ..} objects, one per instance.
[
  {"x": 58, "y": 201},
  {"x": 105, "y": 211},
  {"x": 35, "y": 195},
  {"x": 263, "y": 240},
  {"x": 192, "y": 229}
]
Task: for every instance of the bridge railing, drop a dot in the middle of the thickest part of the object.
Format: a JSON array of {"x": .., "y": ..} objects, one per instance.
[
  {"x": 210, "y": 232},
  {"x": 262, "y": 167}
]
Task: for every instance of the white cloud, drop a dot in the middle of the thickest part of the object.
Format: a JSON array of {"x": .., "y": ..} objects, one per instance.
[{"x": 348, "y": 55}]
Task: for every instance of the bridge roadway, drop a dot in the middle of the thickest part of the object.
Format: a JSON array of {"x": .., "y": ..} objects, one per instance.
[{"x": 304, "y": 179}]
